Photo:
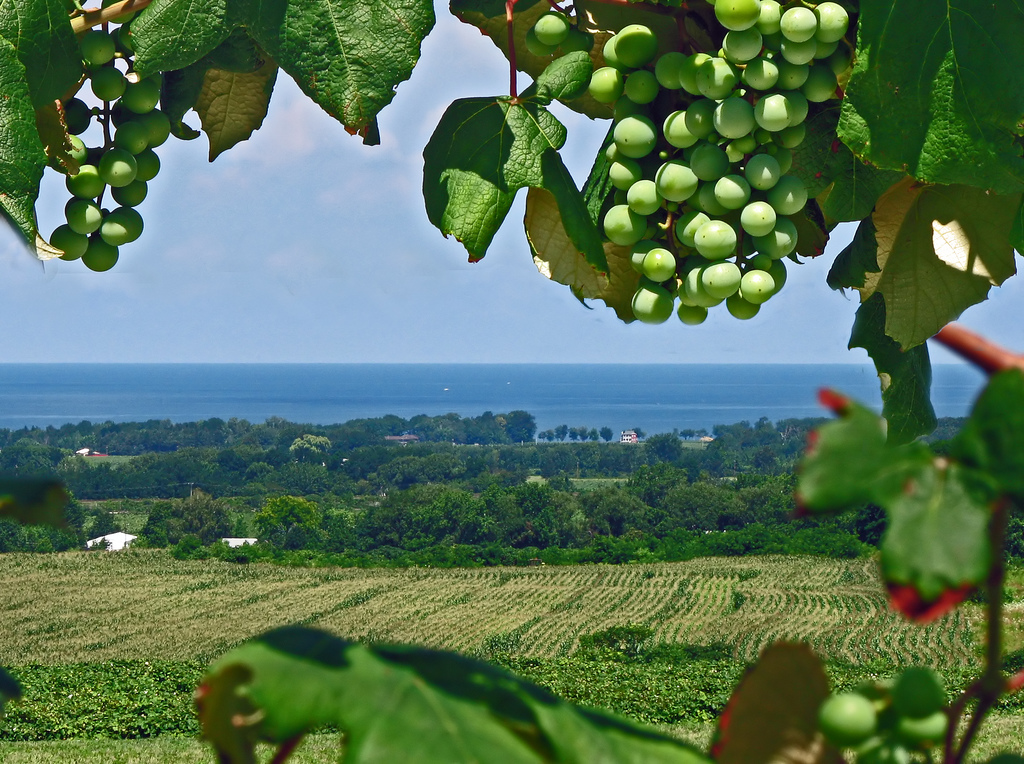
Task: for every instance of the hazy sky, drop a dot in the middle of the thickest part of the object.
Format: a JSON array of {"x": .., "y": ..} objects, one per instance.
[{"x": 303, "y": 245}]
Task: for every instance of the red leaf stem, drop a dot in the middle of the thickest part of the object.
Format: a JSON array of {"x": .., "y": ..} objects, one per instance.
[
  {"x": 986, "y": 355},
  {"x": 512, "y": 86}
]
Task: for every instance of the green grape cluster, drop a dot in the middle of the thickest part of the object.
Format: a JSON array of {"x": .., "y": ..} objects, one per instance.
[
  {"x": 127, "y": 126},
  {"x": 885, "y": 724},
  {"x": 554, "y": 33},
  {"x": 702, "y": 149}
]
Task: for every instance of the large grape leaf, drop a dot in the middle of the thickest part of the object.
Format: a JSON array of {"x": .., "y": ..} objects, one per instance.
[
  {"x": 40, "y": 30},
  {"x": 232, "y": 105},
  {"x": 772, "y": 716},
  {"x": 940, "y": 249},
  {"x": 33, "y": 500},
  {"x": 22, "y": 158},
  {"x": 937, "y": 91},
  {"x": 9, "y": 689},
  {"x": 481, "y": 153},
  {"x": 992, "y": 440},
  {"x": 173, "y": 34},
  {"x": 905, "y": 375},
  {"x": 404, "y": 704}
]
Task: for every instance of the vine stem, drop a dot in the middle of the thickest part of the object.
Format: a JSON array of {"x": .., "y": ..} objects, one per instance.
[
  {"x": 286, "y": 750},
  {"x": 96, "y": 16},
  {"x": 512, "y": 86},
  {"x": 986, "y": 355}
]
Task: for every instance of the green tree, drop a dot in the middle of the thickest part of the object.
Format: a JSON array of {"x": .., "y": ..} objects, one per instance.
[
  {"x": 204, "y": 517},
  {"x": 310, "y": 447},
  {"x": 285, "y": 512}
]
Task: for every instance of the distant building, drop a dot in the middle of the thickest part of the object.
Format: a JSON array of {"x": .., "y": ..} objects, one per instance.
[
  {"x": 403, "y": 439},
  {"x": 114, "y": 541},
  {"x": 629, "y": 436},
  {"x": 234, "y": 542},
  {"x": 706, "y": 439},
  {"x": 83, "y": 451}
]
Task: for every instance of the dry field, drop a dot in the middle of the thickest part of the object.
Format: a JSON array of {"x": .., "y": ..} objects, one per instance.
[{"x": 86, "y": 607}]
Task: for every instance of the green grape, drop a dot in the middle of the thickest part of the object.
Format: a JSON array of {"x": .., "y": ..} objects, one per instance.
[
  {"x": 623, "y": 226},
  {"x": 83, "y": 216},
  {"x": 791, "y": 76},
  {"x": 798, "y": 24},
  {"x": 709, "y": 162},
  {"x": 821, "y": 84},
  {"x": 688, "y": 72},
  {"x": 87, "y": 183},
  {"x": 925, "y": 731},
  {"x": 624, "y": 107},
  {"x": 692, "y": 315},
  {"x": 715, "y": 240},
  {"x": 77, "y": 116},
  {"x": 141, "y": 97},
  {"x": 883, "y": 752},
  {"x": 758, "y": 218},
  {"x": 636, "y": 45},
  {"x": 833, "y": 21},
  {"x": 641, "y": 86},
  {"x": 635, "y": 136},
  {"x": 740, "y": 308},
  {"x": 78, "y": 151},
  {"x": 676, "y": 132},
  {"x": 124, "y": 40},
  {"x": 732, "y": 191},
  {"x": 784, "y": 157},
  {"x": 757, "y": 286},
  {"x": 798, "y": 52},
  {"x": 639, "y": 252},
  {"x": 675, "y": 181},
  {"x": 695, "y": 292},
  {"x": 762, "y": 136},
  {"x": 147, "y": 165},
  {"x": 716, "y": 78},
  {"x": 652, "y": 305},
  {"x": 824, "y": 49},
  {"x": 121, "y": 226},
  {"x": 643, "y": 198},
  {"x": 606, "y": 84},
  {"x": 117, "y": 167},
  {"x": 659, "y": 265},
  {"x": 687, "y": 226},
  {"x": 131, "y": 195},
  {"x": 788, "y": 196},
  {"x": 740, "y": 47},
  {"x": 69, "y": 241},
  {"x": 762, "y": 171},
  {"x": 578, "y": 40},
  {"x": 769, "y": 20},
  {"x": 780, "y": 242},
  {"x": 745, "y": 145},
  {"x": 797, "y": 107},
  {"x": 733, "y": 118},
  {"x": 840, "y": 61},
  {"x": 772, "y": 40},
  {"x": 777, "y": 271},
  {"x": 624, "y": 173},
  {"x": 98, "y": 47},
  {"x": 535, "y": 46},
  {"x": 761, "y": 74},
  {"x": 158, "y": 127},
  {"x": 792, "y": 136},
  {"x": 668, "y": 68},
  {"x": 737, "y": 15},
  {"x": 772, "y": 112},
  {"x": 721, "y": 280},
  {"x": 611, "y": 58},
  {"x": 552, "y": 29},
  {"x": 108, "y": 84},
  {"x": 760, "y": 262},
  {"x": 100, "y": 256},
  {"x": 918, "y": 692},
  {"x": 708, "y": 201},
  {"x": 700, "y": 117},
  {"x": 133, "y": 137}
]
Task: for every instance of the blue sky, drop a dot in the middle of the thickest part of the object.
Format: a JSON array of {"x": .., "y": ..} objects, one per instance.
[{"x": 303, "y": 245}]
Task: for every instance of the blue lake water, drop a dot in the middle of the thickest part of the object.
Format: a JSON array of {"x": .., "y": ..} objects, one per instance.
[{"x": 656, "y": 398}]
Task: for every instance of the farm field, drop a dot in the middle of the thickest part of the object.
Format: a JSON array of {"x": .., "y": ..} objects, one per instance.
[{"x": 92, "y": 607}]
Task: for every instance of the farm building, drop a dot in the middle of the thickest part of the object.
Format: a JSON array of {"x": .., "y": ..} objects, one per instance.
[
  {"x": 629, "y": 436},
  {"x": 234, "y": 542},
  {"x": 114, "y": 541}
]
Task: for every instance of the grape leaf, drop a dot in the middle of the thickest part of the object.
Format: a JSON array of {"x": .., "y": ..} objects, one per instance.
[
  {"x": 937, "y": 91},
  {"x": 237, "y": 53},
  {"x": 54, "y": 135},
  {"x": 33, "y": 501},
  {"x": 992, "y": 440},
  {"x": 937, "y": 537},
  {"x": 856, "y": 186},
  {"x": 906, "y": 376},
  {"x": 857, "y": 259},
  {"x": 940, "y": 249},
  {"x": 404, "y": 704},
  {"x": 232, "y": 105},
  {"x": 9, "y": 689},
  {"x": 22, "y": 158},
  {"x": 565, "y": 78},
  {"x": 557, "y": 258},
  {"x": 180, "y": 91},
  {"x": 811, "y": 230},
  {"x": 811, "y": 158},
  {"x": 41, "y": 33},
  {"x": 772, "y": 716},
  {"x": 173, "y": 34},
  {"x": 481, "y": 153}
]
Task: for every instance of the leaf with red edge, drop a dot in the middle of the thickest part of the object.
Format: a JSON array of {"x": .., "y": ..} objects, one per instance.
[
  {"x": 907, "y": 601},
  {"x": 772, "y": 715}
]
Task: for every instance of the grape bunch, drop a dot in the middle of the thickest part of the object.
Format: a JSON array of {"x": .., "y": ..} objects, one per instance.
[
  {"x": 124, "y": 127},
  {"x": 702, "y": 148},
  {"x": 885, "y": 724}
]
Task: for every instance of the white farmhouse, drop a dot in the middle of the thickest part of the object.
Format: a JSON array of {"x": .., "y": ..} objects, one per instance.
[{"x": 115, "y": 541}]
